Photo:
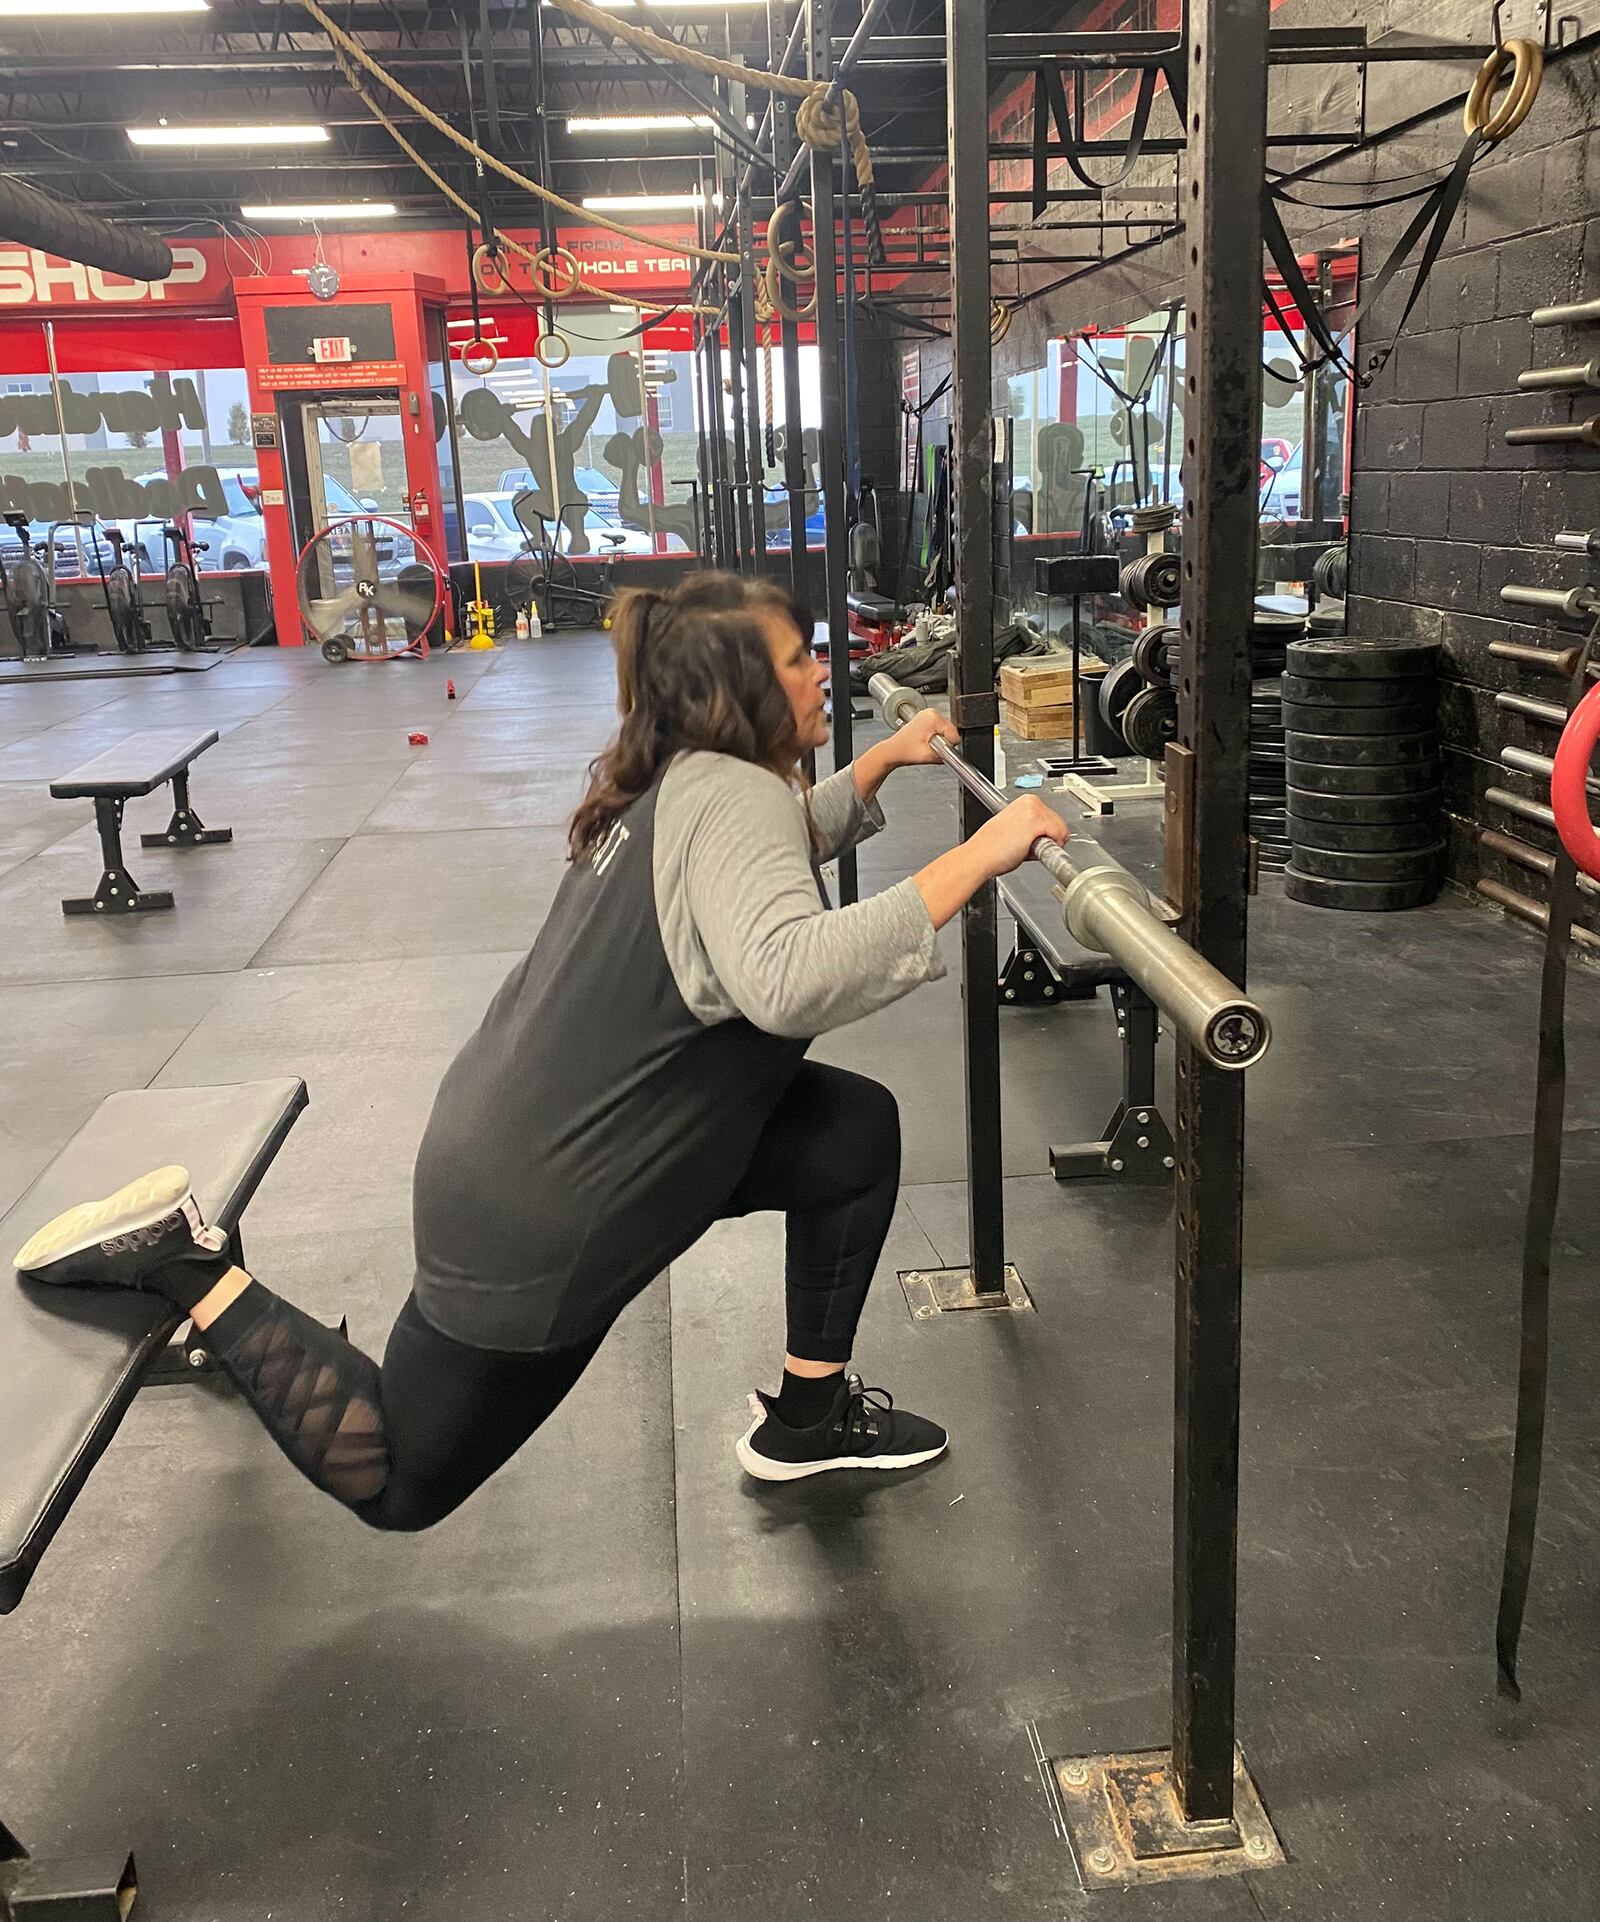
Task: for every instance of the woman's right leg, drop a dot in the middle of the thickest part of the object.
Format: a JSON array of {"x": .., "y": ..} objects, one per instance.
[{"x": 400, "y": 1446}]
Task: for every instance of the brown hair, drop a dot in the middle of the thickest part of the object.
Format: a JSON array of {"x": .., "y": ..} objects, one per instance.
[{"x": 693, "y": 672}]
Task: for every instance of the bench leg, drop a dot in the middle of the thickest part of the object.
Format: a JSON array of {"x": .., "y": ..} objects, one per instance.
[
  {"x": 1028, "y": 980},
  {"x": 1137, "y": 1145},
  {"x": 118, "y": 892},
  {"x": 85, "y": 1888},
  {"x": 185, "y": 829}
]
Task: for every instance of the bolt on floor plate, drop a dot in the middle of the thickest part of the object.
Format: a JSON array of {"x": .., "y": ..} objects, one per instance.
[
  {"x": 1125, "y": 1825},
  {"x": 944, "y": 1291}
]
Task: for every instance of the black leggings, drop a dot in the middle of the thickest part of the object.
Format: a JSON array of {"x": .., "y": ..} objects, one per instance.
[{"x": 404, "y": 1445}]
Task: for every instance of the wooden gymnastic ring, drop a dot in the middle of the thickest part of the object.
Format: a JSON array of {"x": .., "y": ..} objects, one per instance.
[
  {"x": 1527, "y": 62},
  {"x": 541, "y": 272},
  {"x": 480, "y": 356},
  {"x": 488, "y": 270},
  {"x": 552, "y": 349}
]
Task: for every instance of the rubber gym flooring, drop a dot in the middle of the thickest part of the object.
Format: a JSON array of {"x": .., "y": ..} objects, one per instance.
[{"x": 625, "y": 1682}]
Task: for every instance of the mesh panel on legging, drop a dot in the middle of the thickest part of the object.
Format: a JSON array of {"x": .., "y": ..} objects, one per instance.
[{"x": 316, "y": 1394}]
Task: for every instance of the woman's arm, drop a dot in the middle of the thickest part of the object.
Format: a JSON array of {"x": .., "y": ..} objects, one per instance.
[{"x": 785, "y": 962}]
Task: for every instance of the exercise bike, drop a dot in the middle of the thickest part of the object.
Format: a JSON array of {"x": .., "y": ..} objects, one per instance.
[
  {"x": 124, "y": 603},
  {"x": 27, "y": 592},
  {"x": 191, "y": 629},
  {"x": 546, "y": 580}
]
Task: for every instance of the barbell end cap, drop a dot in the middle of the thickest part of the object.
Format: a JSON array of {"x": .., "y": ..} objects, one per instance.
[
  {"x": 1237, "y": 1035},
  {"x": 896, "y": 704}
]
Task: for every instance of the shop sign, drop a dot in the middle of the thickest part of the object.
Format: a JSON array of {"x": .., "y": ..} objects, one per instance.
[{"x": 31, "y": 278}]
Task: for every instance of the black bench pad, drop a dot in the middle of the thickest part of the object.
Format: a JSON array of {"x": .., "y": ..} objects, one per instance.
[
  {"x": 1028, "y": 895},
  {"x": 71, "y": 1359},
  {"x": 138, "y": 765}
]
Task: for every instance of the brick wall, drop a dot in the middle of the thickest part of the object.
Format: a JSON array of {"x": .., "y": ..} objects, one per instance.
[{"x": 1443, "y": 513}]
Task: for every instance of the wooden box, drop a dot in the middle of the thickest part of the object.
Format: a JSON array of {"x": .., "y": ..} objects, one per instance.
[
  {"x": 1042, "y": 682},
  {"x": 1045, "y": 722}
]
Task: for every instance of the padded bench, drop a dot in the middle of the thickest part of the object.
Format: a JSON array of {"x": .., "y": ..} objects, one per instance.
[
  {"x": 138, "y": 766},
  {"x": 72, "y": 1360},
  {"x": 1046, "y": 966}
]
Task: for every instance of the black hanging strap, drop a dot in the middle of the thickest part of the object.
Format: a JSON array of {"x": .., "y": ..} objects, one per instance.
[
  {"x": 1433, "y": 217},
  {"x": 1050, "y": 103},
  {"x": 1544, "y": 1188}
]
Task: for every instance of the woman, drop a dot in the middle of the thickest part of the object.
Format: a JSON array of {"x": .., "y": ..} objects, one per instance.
[{"x": 640, "y": 1075}]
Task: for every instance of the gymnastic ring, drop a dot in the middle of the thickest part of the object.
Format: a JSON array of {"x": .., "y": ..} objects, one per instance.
[
  {"x": 480, "y": 356},
  {"x": 488, "y": 270},
  {"x": 541, "y": 272},
  {"x": 1527, "y": 61},
  {"x": 1569, "y": 784},
  {"x": 999, "y": 321},
  {"x": 552, "y": 349}
]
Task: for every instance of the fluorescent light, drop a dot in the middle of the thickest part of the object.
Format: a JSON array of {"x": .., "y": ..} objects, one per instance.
[
  {"x": 641, "y": 203},
  {"x": 326, "y": 210},
  {"x": 634, "y": 122},
  {"x": 669, "y": 6},
  {"x": 262, "y": 135},
  {"x": 79, "y": 9}
]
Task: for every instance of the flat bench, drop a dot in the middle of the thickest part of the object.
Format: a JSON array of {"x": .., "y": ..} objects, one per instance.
[
  {"x": 1045, "y": 967},
  {"x": 137, "y": 766},
  {"x": 72, "y": 1360}
]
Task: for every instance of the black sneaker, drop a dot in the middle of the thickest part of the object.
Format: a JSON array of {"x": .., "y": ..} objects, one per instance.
[
  {"x": 150, "y": 1234},
  {"x": 863, "y": 1429}
]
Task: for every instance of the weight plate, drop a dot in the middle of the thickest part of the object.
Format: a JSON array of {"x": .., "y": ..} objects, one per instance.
[
  {"x": 1363, "y": 660},
  {"x": 1358, "y": 810},
  {"x": 1404, "y": 717},
  {"x": 1413, "y": 864},
  {"x": 1363, "y": 750},
  {"x": 1326, "y": 621},
  {"x": 1304, "y": 691},
  {"x": 1150, "y": 721},
  {"x": 1152, "y": 654},
  {"x": 1377, "y": 837},
  {"x": 1362, "y": 896},
  {"x": 1117, "y": 690},
  {"x": 1312, "y": 777}
]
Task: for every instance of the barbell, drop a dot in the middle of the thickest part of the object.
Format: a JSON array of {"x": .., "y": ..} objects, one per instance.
[{"x": 1109, "y": 911}]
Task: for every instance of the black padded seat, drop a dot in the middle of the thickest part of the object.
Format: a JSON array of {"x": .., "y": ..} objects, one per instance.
[
  {"x": 71, "y": 1360},
  {"x": 138, "y": 765}
]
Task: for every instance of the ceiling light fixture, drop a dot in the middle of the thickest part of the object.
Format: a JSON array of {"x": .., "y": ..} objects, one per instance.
[
  {"x": 324, "y": 210},
  {"x": 634, "y": 122},
  {"x": 673, "y": 6},
  {"x": 242, "y": 135},
  {"x": 86, "y": 9},
  {"x": 642, "y": 203}
]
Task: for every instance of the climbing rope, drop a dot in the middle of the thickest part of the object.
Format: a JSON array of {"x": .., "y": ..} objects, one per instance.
[
  {"x": 556, "y": 273},
  {"x": 819, "y": 124},
  {"x": 358, "y": 53}
]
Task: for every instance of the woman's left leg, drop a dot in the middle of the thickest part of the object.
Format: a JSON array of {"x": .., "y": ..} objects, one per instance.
[{"x": 829, "y": 1160}]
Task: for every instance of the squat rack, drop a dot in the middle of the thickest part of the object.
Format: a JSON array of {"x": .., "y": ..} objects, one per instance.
[{"x": 1190, "y": 1808}]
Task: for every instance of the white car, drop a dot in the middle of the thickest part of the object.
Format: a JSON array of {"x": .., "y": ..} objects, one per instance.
[
  {"x": 493, "y": 531},
  {"x": 237, "y": 539}
]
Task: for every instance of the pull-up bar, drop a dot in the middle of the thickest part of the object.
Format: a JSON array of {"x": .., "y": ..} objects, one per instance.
[{"x": 1109, "y": 910}]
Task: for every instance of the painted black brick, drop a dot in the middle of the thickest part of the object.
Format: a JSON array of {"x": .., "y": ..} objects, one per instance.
[
  {"x": 1463, "y": 288},
  {"x": 1505, "y": 198},
  {"x": 1425, "y": 366},
  {"x": 1391, "y": 437},
  {"x": 1447, "y": 574},
  {"x": 1455, "y": 433},
  {"x": 1485, "y": 507},
  {"x": 1420, "y": 504},
  {"x": 1383, "y": 568},
  {"x": 1369, "y": 503},
  {"x": 1493, "y": 355},
  {"x": 1539, "y": 270}
]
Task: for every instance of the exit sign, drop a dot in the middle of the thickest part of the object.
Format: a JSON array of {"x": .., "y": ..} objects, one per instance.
[{"x": 332, "y": 347}]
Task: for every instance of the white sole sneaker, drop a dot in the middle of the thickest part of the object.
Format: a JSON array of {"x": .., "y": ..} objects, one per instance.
[
  {"x": 139, "y": 1205},
  {"x": 765, "y": 1469}
]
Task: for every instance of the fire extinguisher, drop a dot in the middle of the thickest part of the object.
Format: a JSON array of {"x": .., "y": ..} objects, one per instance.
[{"x": 420, "y": 516}]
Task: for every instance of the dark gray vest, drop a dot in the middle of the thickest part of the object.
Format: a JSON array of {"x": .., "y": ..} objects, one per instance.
[{"x": 590, "y": 1130}]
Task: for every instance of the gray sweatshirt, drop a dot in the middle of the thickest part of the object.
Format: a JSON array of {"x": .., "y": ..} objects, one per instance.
[
  {"x": 742, "y": 920},
  {"x": 596, "y": 1123}
]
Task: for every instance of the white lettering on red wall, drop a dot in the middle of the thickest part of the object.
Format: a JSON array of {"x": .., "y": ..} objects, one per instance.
[{"x": 29, "y": 278}]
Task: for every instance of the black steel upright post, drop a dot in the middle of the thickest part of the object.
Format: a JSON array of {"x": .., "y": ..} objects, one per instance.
[
  {"x": 737, "y": 292},
  {"x": 1226, "y": 110},
  {"x": 794, "y": 452},
  {"x": 831, "y": 380},
  {"x": 755, "y": 452},
  {"x": 972, "y": 483}
]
